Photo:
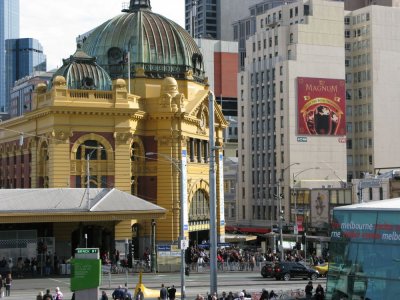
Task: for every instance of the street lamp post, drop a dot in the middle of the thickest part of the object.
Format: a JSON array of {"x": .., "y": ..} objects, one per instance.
[
  {"x": 296, "y": 229},
  {"x": 153, "y": 246},
  {"x": 182, "y": 239},
  {"x": 280, "y": 207},
  {"x": 88, "y": 171}
]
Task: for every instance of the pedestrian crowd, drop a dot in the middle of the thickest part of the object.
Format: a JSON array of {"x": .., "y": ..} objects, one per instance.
[
  {"x": 237, "y": 259},
  {"x": 264, "y": 295},
  {"x": 58, "y": 295},
  {"x": 169, "y": 293}
]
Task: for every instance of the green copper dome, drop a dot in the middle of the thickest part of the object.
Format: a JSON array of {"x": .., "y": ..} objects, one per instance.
[
  {"x": 82, "y": 72},
  {"x": 154, "y": 44}
]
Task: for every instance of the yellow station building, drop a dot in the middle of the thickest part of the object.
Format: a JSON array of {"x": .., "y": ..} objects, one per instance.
[{"x": 129, "y": 110}]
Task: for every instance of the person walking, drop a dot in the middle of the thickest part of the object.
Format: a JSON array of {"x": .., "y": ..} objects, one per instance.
[
  {"x": 39, "y": 296},
  {"x": 264, "y": 295},
  {"x": 139, "y": 295},
  {"x": 163, "y": 292},
  {"x": 224, "y": 297},
  {"x": 8, "y": 284},
  {"x": 104, "y": 295},
  {"x": 58, "y": 295},
  {"x": 272, "y": 295},
  {"x": 118, "y": 293},
  {"x": 48, "y": 295},
  {"x": 1, "y": 287},
  {"x": 172, "y": 292},
  {"x": 319, "y": 293},
  {"x": 309, "y": 288}
]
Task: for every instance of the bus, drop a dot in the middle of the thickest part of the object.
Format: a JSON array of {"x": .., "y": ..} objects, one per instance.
[{"x": 365, "y": 251}]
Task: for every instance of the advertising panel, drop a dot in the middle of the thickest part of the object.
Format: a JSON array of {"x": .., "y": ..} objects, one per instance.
[
  {"x": 221, "y": 190},
  {"x": 319, "y": 207},
  {"x": 86, "y": 274},
  {"x": 321, "y": 106},
  {"x": 184, "y": 204}
]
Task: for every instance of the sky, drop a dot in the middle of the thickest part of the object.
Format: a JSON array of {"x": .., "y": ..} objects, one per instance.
[{"x": 57, "y": 23}]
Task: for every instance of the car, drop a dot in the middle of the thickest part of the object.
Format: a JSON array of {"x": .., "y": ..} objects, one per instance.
[
  {"x": 267, "y": 270},
  {"x": 290, "y": 269},
  {"x": 322, "y": 269}
]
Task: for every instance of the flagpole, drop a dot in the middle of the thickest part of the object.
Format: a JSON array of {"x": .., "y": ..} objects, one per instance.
[{"x": 129, "y": 71}]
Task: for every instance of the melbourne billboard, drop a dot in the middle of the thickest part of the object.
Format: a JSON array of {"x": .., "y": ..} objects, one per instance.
[{"x": 321, "y": 106}]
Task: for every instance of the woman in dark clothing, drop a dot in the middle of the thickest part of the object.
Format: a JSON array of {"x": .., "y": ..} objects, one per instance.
[{"x": 319, "y": 293}]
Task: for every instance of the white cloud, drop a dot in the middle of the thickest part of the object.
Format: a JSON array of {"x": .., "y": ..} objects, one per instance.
[{"x": 56, "y": 23}]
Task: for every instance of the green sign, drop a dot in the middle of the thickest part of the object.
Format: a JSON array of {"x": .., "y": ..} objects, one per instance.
[
  {"x": 85, "y": 274},
  {"x": 86, "y": 250}
]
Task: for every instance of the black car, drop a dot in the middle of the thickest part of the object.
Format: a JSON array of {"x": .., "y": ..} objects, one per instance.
[
  {"x": 290, "y": 269},
  {"x": 267, "y": 270}
]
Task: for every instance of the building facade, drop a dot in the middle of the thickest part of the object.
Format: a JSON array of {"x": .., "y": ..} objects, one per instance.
[
  {"x": 371, "y": 91},
  {"x": 9, "y": 29},
  {"x": 213, "y": 19},
  {"x": 356, "y": 4},
  {"x": 294, "y": 74},
  {"x": 140, "y": 125},
  {"x": 23, "y": 58},
  {"x": 220, "y": 64},
  {"x": 22, "y": 93},
  {"x": 246, "y": 27}
]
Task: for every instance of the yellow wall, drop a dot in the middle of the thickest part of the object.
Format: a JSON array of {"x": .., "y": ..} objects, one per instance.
[{"x": 168, "y": 118}]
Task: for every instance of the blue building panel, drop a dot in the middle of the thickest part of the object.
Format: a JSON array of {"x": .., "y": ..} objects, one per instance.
[
  {"x": 9, "y": 29},
  {"x": 24, "y": 57}
]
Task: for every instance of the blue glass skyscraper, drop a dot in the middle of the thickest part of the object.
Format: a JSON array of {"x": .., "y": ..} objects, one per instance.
[
  {"x": 24, "y": 57},
  {"x": 9, "y": 29}
]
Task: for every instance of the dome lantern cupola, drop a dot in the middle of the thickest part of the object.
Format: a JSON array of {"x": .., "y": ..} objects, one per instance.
[
  {"x": 138, "y": 4},
  {"x": 81, "y": 71}
]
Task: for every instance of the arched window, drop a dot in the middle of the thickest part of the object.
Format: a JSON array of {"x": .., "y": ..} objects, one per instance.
[
  {"x": 93, "y": 149},
  {"x": 93, "y": 161},
  {"x": 199, "y": 207}
]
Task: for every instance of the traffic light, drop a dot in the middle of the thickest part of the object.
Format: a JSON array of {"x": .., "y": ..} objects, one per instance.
[
  {"x": 130, "y": 255},
  {"x": 298, "y": 245},
  {"x": 188, "y": 256},
  {"x": 303, "y": 239}
]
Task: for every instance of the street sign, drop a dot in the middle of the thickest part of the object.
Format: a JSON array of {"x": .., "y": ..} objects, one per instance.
[
  {"x": 163, "y": 248},
  {"x": 370, "y": 183},
  {"x": 184, "y": 244},
  {"x": 295, "y": 229},
  {"x": 86, "y": 250}
]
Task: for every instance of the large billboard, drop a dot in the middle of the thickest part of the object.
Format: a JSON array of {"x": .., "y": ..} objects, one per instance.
[{"x": 321, "y": 106}]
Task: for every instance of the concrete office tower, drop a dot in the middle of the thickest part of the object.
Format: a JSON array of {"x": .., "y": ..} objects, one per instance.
[
  {"x": 291, "y": 108},
  {"x": 372, "y": 52},
  {"x": 23, "y": 58},
  {"x": 214, "y": 18},
  {"x": 246, "y": 27},
  {"x": 9, "y": 28}
]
